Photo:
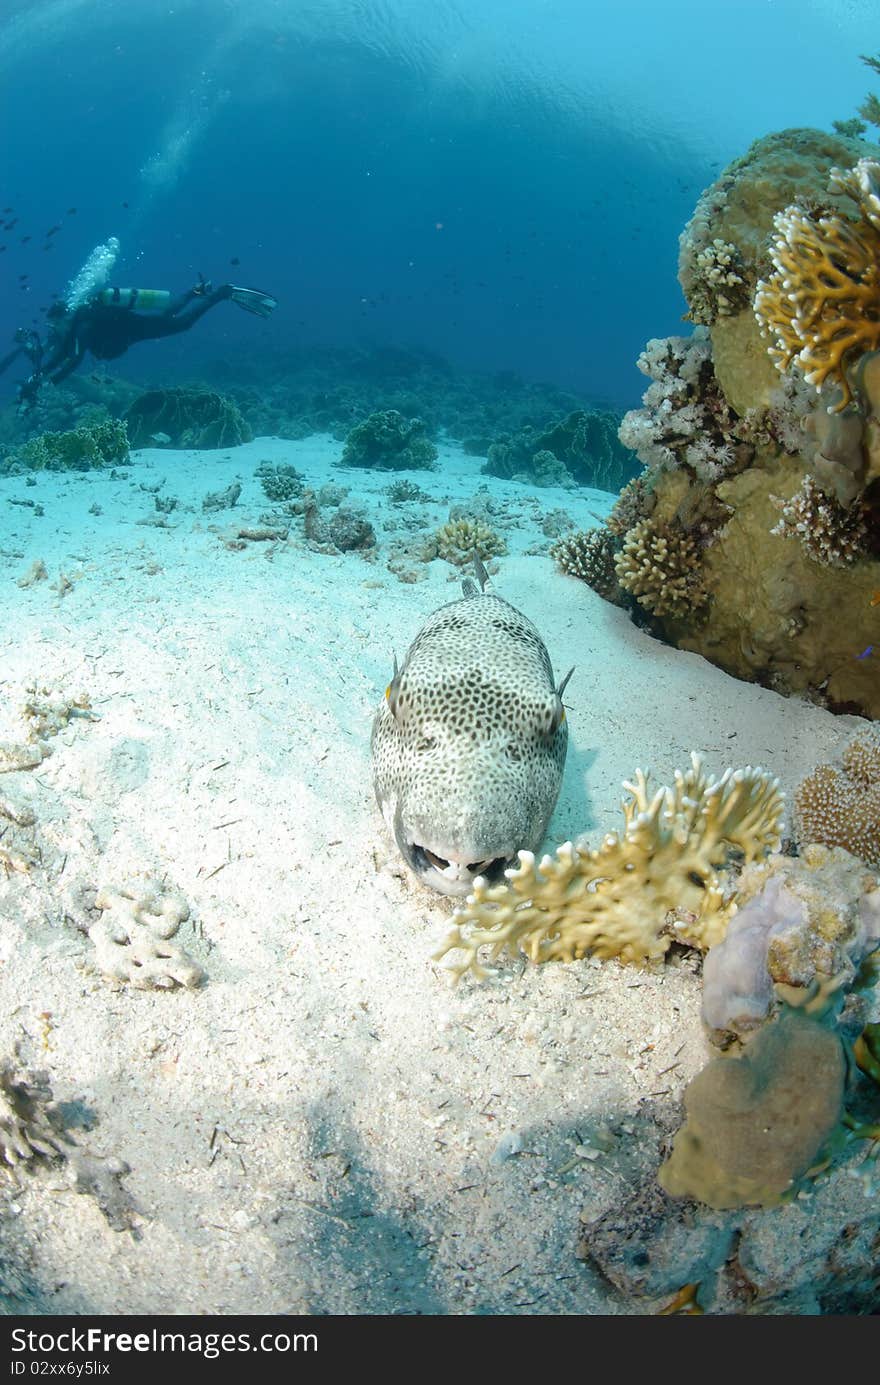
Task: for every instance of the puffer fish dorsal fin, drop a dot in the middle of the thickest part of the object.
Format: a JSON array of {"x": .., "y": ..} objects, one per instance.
[{"x": 469, "y": 586}]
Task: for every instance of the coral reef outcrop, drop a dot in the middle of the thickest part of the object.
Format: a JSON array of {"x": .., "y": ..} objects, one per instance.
[
  {"x": 99, "y": 443},
  {"x": 582, "y": 448},
  {"x": 186, "y": 417},
  {"x": 754, "y": 539},
  {"x": 388, "y": 440}
]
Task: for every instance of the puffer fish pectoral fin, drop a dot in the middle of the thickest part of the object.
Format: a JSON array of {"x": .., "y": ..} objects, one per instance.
[
  {"x": 392, "y": 692},
  {"x": 559, "y": 714},
  {"x": 564, "y": 684}
]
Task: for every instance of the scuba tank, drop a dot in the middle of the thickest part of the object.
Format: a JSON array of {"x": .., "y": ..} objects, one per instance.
[{"x": 145, "y": 300}]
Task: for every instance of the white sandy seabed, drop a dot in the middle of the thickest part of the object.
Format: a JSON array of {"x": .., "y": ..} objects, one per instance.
[{"x": 326, "y": 1125}]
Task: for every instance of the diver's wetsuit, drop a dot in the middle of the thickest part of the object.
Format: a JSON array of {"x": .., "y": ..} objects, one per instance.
[
  {"x": 27, "y": 344},
  {"x": 108, "y": 330}
]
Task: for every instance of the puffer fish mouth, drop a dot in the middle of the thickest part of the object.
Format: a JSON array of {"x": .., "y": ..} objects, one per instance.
[{"x": 452, "y": 877}]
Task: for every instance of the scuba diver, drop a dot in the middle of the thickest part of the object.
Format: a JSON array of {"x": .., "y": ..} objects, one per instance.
[
  {"x": 113, "y": 319},
  {"x": 27, "y": 343}
]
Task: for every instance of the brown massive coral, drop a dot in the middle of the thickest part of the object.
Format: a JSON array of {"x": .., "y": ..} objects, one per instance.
[
  {"x": 757, "y": 1122},
  {"x": 821, "y": 305}
]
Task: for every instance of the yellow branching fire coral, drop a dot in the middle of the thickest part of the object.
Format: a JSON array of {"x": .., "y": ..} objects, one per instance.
[
  {"x": 656, "y": 882},
  {"x": 821, "y": 304},
  {"x": 842, "y": 808}
]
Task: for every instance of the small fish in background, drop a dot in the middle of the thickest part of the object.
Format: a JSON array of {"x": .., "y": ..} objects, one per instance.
[
  {"x": 50, "y": 246},
  {"x": 2, "y": 248},
  {"x": 24, "y": 240},
  {"x": 7, "y": 210},
  {"x": 865, "y": 652},
  {"x": 235, "y": 260},
  {"x": 53, "y": 229},
  {"x": 125, "y": 205},
  {"x": 71, "y": 211},
  {"x": 875, "y": 599}
]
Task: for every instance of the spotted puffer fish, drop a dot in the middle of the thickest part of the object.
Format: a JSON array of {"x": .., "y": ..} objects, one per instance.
[{"x": 469, "y": 742}]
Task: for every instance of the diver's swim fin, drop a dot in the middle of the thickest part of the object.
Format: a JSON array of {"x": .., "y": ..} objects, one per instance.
[{"x": 254, "y": 300}]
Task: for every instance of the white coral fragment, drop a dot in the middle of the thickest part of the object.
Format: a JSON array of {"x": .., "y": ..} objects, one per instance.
[
  {"x": 32, "y": 1133},
  {"x": 46, "y": 712},
  {"x": 26, "y": 1129},
  {"x": 14, "y": 757},
  {"x": 132, "y": 935}
]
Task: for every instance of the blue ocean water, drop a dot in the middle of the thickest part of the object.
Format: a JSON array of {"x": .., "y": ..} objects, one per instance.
[
  {"x": 500, "y": 183},
  {"x": 468, "y": 210}
]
